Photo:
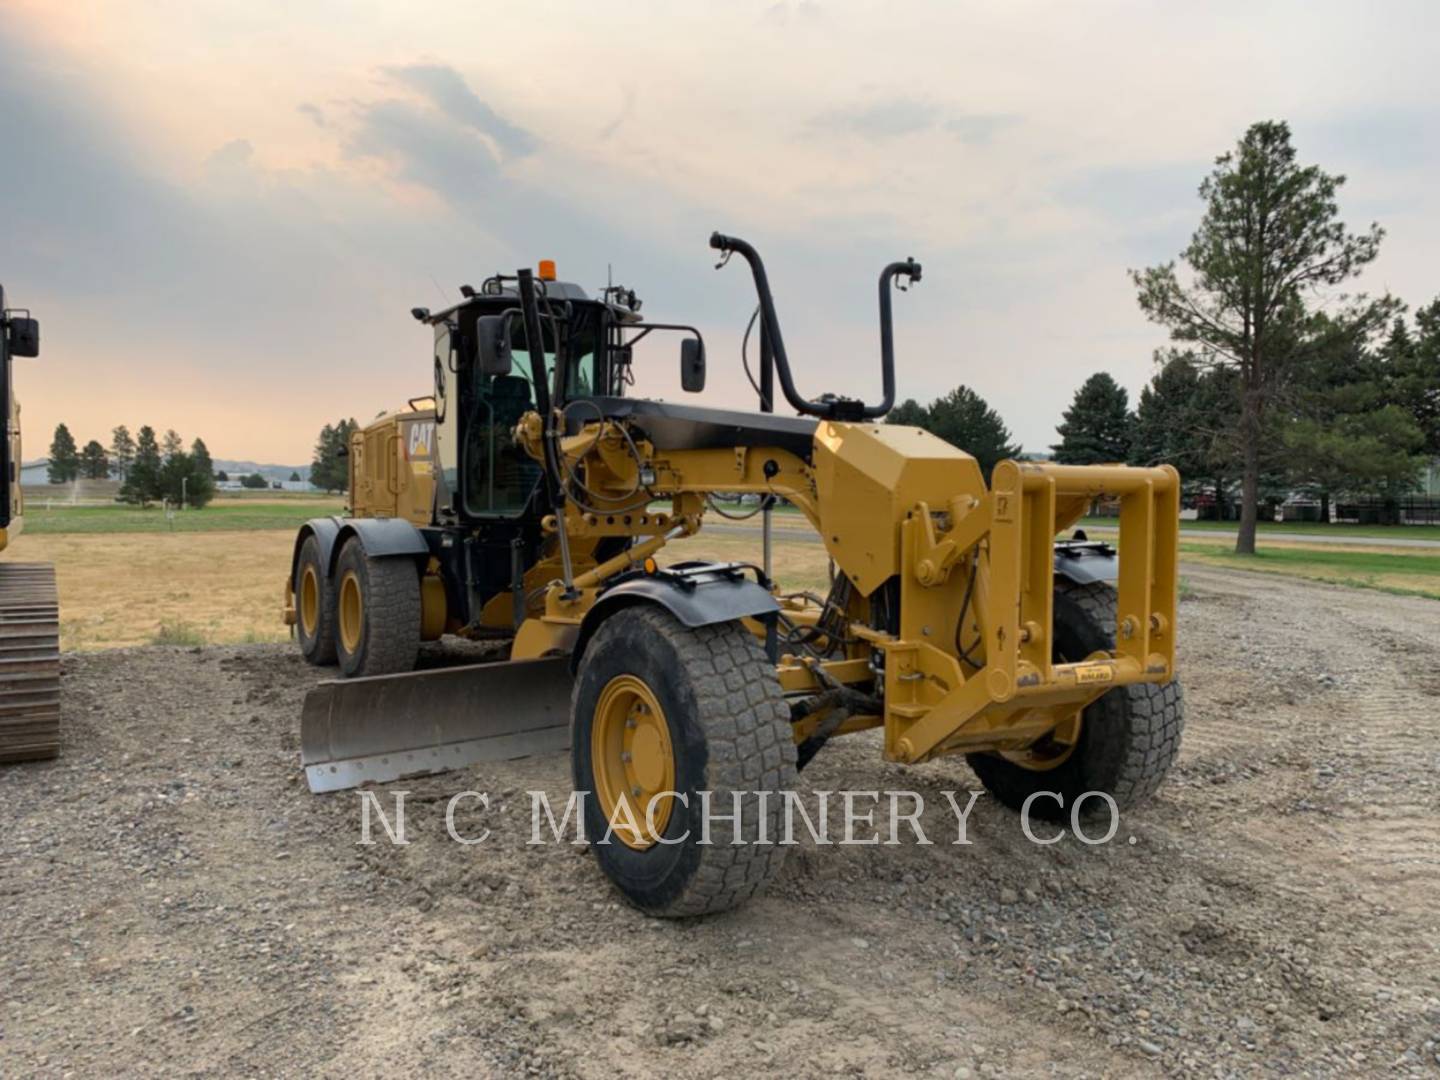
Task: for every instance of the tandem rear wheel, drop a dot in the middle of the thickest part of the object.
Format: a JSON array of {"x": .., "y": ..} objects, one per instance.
[
  {"x": 377, "y": 612},
  {"x": 660, "y": 714}
]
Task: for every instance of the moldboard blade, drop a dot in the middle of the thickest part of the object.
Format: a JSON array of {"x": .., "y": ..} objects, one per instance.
[{"x": 367, "y": 731}]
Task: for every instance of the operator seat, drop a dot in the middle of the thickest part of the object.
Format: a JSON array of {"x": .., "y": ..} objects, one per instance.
[{"x": 516, "y": 473}]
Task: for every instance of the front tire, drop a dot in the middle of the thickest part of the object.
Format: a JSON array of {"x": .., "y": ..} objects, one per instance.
[
  {"x": 377, "y": 612},
  {"x": 1127, "y": 739},
  {"x": 659, "y": 706}
]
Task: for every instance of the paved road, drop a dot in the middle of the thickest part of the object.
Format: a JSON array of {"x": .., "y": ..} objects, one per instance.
[{"x": 788, "y": 531}]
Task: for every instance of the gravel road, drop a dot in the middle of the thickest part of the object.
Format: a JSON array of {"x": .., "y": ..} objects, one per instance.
[{"x": 175, "y": 902}]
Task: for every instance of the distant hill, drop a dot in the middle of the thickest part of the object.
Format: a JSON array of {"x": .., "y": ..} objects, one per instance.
[{"x": 273, "y": 472}]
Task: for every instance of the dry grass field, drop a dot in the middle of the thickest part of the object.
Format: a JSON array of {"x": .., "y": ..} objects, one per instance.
[
  {"x": 218, "y": 581},
  {"x": 164, "y": 588},
  {"x": 192, "y": 588}
]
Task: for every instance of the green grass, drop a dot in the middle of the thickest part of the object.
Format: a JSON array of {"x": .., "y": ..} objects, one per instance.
[
  {"x": 177, "y": 632},
  {"x": 217, "y": 517},
  {"x": 1404, "y": 574},
  {"x": 1351, "y": 562},
  {"x": 1312, "y": 528}
]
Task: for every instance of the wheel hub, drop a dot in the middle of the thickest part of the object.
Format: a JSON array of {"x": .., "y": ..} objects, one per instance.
[
  {"x": 352, "y": 612},
  {"x": 309, "y": 600},
  {"x": 632, "y": 760},
  {"x": 1052, "y": 749}
]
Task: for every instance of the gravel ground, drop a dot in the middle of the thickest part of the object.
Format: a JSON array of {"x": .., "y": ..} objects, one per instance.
[{"x": 175, "y": 902}]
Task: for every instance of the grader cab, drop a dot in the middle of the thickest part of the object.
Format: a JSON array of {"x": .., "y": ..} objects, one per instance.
[{"x": 530, "y": 499}]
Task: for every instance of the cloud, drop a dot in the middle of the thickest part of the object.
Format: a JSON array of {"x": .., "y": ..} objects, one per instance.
[
  {"x": 448, "y": 91},
  {"x": 627, "y": 108},
  {"x": 424, "y": 147},
  {"x": 314, "y": 112},
  {"x": 894, "y": 117}
]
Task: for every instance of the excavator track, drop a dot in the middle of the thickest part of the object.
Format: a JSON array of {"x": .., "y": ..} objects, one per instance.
[{"x": 29, "y": 662}]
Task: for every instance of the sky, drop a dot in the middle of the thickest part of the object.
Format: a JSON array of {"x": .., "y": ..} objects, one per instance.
[{"x": 222, "y": 212}]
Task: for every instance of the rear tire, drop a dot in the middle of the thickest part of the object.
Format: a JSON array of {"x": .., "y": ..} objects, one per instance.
[
  {"x": 314, "y": 606},
  {"x": 1128, "y": 738},
  {"x": 377, "y": 612},
  {"x": 726, "y": 730}
]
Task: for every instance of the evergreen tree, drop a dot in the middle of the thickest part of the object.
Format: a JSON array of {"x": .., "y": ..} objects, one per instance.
[
  {"x": 1348, "y": 432},
  {"x": 122, "y": 450},
  {"x": 254, "y": 481},
  {"x": 962, "y": 418},
  {"x": 94, "y": 465},
  {"x": 1186, "y": 418},
  {"x": 330, "y": 469},
  {"x": 1096, "y": 429},
  {"x": 64, "y": 457},
  {"x": 143, "y": 483},
  {"x": 294, "y": 476},
  {"x": 222, "y": 476},
  {"x": 910, "y": 413},
  {"x": 1413, "y": 372},
  {"x": 1269, "y": 240},
  {"x": 322, "y": 473},
  {"x": 201, "y": 488}
]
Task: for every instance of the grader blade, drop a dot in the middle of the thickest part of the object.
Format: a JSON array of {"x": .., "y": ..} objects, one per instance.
[{"x": 366, "y": 731}]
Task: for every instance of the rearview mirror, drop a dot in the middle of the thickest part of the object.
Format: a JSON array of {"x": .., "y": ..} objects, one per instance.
[
  {"x": 493, "y": 344},
  {"x": 24, "y": 337},
  {"x": 692, "y": 365}
]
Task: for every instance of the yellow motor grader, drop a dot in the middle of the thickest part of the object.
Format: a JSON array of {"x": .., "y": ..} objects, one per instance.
[{"x": 529, "y": 498}]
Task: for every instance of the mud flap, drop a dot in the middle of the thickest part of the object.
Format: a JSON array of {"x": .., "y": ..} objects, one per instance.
[{"x": 367, "y": 731}]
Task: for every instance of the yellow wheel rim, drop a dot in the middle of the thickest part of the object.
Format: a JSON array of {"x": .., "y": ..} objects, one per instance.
[
  {"x": 352, "y": 612},
  {"x": 632, "y": 761},
  {"x": 1052, "y": 749},
  {"x": 309, "y": 600}
]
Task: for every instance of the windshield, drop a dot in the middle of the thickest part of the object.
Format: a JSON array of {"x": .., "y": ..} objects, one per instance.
[{"x": 499, "y": 476}]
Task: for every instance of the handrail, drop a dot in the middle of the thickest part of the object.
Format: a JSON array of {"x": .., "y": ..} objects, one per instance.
[{"x": 827, "y": 406}]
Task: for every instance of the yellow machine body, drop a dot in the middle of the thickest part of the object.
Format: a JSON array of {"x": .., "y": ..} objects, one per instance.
[{"x": 888, "y": 502}]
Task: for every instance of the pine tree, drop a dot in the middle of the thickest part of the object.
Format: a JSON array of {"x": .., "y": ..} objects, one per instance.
[
  {"x": 910, "y": 413},
  {"x": 321, "y": 470},
  {"x": 122, "y": 450},
  {"x": 1413, "y": 372},
  {"x": 64, "y": 457},
  {"x": 962, "y": 418},
  {"x": 94, "y": 465},
  {"x": 1270, "y": 240},
  {"x": 143, "y": 483},
  {"x": 1096, "y": 429},
  {"x": 330, "y": 469},
  {"x": 201, "y": 488}
]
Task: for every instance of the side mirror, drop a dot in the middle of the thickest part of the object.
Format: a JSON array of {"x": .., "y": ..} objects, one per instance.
[
  {"x": 24, "y": 337},
  {"x": 493, "y": 344},
  {"x": 692, "y": 365}
]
